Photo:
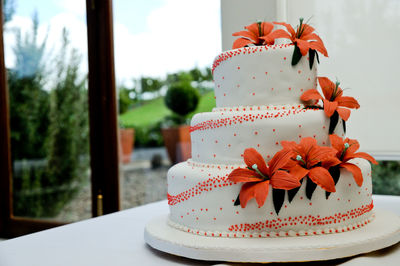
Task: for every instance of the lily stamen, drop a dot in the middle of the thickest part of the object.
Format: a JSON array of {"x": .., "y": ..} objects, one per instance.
[
  {"x": 299, "y": 158},
  {"x": 255, "y": 168}
]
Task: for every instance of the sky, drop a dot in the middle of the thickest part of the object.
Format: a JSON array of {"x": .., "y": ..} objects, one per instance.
[{"x": 151, "y": 38}]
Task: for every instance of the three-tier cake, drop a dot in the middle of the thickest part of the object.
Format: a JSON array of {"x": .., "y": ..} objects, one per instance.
[{"x": 272, "y": 158}]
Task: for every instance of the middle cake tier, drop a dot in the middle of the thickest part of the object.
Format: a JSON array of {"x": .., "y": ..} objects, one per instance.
[{"x": 221, "y": 136}]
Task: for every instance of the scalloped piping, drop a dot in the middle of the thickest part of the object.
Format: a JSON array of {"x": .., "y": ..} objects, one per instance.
[
  {"x": 258, "y": 108},
  {"x": 290, "y": 233},
  {"x": 245, "y": 50}
]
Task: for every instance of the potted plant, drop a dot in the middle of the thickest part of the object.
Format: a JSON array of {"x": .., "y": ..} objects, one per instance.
[
  {"x": 181, "y": 99},
  {"x": 127, "y": 141}
]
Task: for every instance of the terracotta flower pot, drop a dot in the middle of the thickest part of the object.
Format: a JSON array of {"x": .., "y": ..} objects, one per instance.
[
  {"x": 127, "y": 138},
  {"x": 177, "y": 142}
]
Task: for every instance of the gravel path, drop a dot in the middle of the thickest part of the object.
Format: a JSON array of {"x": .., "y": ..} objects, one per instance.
[{"x": 139, "y": 185}]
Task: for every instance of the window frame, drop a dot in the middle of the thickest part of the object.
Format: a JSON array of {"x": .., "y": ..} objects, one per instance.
[{"x": 104, "y": 154}]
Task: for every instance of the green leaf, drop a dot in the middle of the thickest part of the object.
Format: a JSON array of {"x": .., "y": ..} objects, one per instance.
[
  {"x": 344, "y": 126},
  {"x": 293, "y": 192},
  {"x": 333, "y": 122},
  {"x": 311, "y": 53},
  {"x": 296, "y": 55},
  {"x": 310, "y": 188},
  {"x": 335, "y": 173},
  {"x": 237, "y": 201},
  {"x": 278, "y": 197}
]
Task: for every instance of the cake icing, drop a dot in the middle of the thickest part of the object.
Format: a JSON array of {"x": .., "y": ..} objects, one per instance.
[
  {"x": 272, "y": 158},
  {"x": 221, "y": 137},
  {"x": 261, "y": 75}
]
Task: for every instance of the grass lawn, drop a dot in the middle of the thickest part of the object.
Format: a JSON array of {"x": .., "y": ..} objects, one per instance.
[{"x": 155, "y": 110}]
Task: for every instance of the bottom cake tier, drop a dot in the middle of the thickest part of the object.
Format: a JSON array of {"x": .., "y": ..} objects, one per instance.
[{"x": 201, "y": 201}]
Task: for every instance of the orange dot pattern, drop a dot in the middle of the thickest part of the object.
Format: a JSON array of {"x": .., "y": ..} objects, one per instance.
[
  {"x": 245, "y": 50},
  {"x": 308, "y": 220},
  {"x": 206, "y": 185},
  {"x": 239, "y": 119}
]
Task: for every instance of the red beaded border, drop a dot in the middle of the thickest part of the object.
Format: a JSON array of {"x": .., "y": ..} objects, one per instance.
[
  {"x": 207, "y": 185},
  {"x": 289, "y": 233},
  {"x": 310, "y": 220},
  {"x": 245, "y": 50},
  {"x": 233, "y": 120}
]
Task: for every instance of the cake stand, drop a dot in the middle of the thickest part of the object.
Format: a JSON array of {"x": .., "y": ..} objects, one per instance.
[{"x": 381, "y": 232}]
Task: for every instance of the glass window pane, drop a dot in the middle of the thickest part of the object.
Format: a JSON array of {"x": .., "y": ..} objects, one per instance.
[
  {"x": 46, "y": 59},
  {"x": 163, "y": 54}
]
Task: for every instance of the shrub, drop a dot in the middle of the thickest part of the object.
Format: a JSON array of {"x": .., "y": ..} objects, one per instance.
[
  {"x": 386, "y": 178},
  {"x": 52, "y": 126},
  {"x": 182, "y": 98},
  {"x": 124, "y": 101}
]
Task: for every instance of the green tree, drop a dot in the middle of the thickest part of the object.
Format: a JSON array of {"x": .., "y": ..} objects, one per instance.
[
  {"x": 151, "y": 85},
  {"x": 8, "y": 10},
  {"x": 181, "y": 99},
  {"x": 29, "y": 102},
  {"x": 68, "y": 138},
  {"x": 124, "y": 100}
]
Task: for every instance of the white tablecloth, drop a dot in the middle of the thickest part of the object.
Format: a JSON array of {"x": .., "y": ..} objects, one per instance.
[{"x": 117, "y": 239}]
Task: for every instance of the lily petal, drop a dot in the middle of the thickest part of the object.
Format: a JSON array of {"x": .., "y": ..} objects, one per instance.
[
  {"x": 244, "y": 175},
  {"x": 304, "y": 46},
  {"x": 253, "y": 28},
  {"x": 343, "y": 113},
  {"x": 307, "y": 30},
  {"x": 266, "y": 27},
  {"x": 284, "y": 180},
  {"x": 288, "y": 27},
  {"x": 336, "y": 142},
  {"x": 363, "y": 155},
  {"x": 246, "y": 34},
  {"x": 308, "y": 143},
  {"x": 298, "y": 172},
  {"x": 259, "y": 191},
  {"x": 353, "y": 145},
  {"x": 329, "y": 107},
  {"x": 319, "y": 46},
  {"x": 322, "y": 178},
  {"x": 311, "y": 37},
  {"x": 279, "y": 160},
  {"x": 327, "y": 87},
  {"x": 348, "y": 102},
  {"x": 251, "y": 157},
  {"x": 277, "y": 34},
  {"x": 241, "y": 42},
  {"x": 289, "y": 144},
  {"x": 356, "y": 172},
  {"x": 311, "y": 94},
  {"x": 321, "y": 154},
  {"x": 330, "y": 161}
]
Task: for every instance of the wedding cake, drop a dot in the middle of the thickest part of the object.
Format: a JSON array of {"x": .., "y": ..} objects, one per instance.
[{"x": 272, "y": 159}]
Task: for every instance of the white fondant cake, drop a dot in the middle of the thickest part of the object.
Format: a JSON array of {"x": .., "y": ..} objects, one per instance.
[
  {"x": 201, "y": 201},
  {"x": 258, "y": 93},
  {"x": 261, "y": 75},
  {"x": 220, "y": 137}
]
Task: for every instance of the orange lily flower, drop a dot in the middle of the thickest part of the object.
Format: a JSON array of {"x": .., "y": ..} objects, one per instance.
[
  {"x": 333, "y": 98},
  {"x": 306, "y": 160},
  {"x": 258, "y": 176},
  {"x": 254, "y": 35},
  {"x": 346, "y": 150},
  {"x": 304, "y": 37}
]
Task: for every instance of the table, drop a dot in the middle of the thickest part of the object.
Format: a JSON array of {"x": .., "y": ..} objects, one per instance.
[{"x": 117, "y": 239}]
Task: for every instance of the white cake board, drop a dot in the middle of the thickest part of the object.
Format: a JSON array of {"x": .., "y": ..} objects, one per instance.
[{"x": 382, "y": 232}]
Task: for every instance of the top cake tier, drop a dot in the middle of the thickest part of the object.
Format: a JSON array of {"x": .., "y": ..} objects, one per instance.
[{"x": 261, "y": 75}]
